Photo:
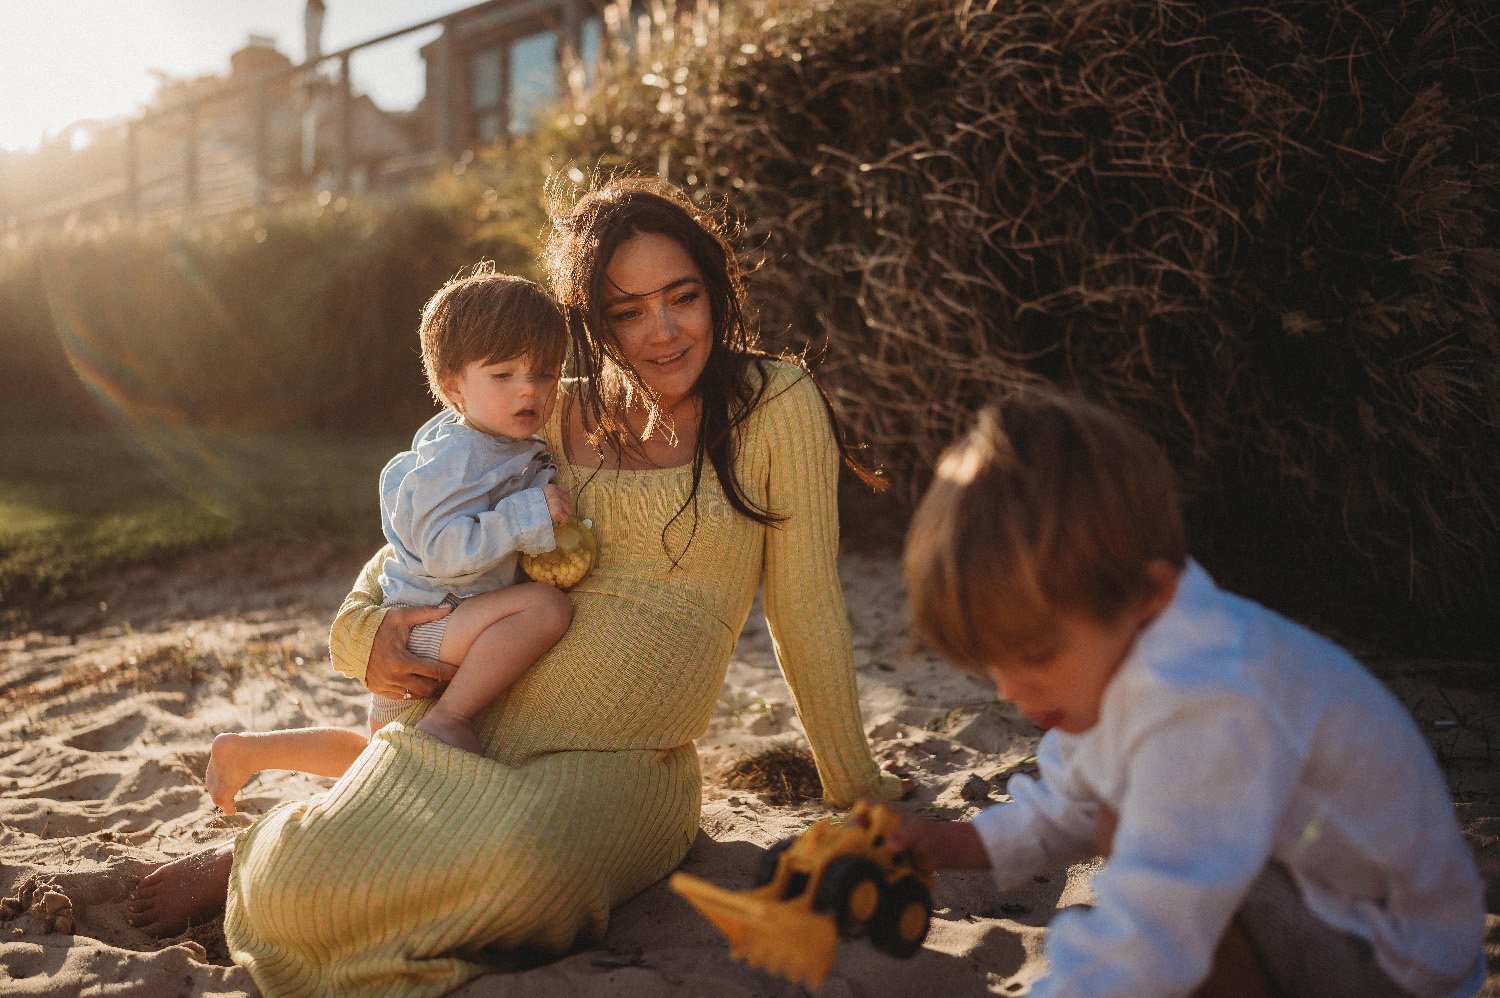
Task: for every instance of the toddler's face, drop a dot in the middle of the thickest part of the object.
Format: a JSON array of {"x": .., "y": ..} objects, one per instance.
[
  {"x": 1060, "y": 683},
  {"x": 508, "y": 398}
]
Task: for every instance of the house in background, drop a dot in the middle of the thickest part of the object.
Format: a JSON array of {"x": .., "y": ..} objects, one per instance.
[
  {"x": 497, "y": 64},
  {"x": 301, "y": 118},
  {"x": 274, "y": 127}
]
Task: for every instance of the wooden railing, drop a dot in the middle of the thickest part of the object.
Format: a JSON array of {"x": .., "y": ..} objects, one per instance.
[{"x": 213, "y": 181}]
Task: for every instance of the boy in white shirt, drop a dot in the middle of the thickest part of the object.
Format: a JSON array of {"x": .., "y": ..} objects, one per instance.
[{"x": 1274, "y": 822}]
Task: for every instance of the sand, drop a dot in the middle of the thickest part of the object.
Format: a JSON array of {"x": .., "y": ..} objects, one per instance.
[{"x": 107, "y": 709}]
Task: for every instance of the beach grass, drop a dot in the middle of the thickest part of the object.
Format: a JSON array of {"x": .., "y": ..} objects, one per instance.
[{"x": 75, "y": 503}]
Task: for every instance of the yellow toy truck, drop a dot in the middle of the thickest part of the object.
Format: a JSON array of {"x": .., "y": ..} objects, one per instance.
[{"x": 834, "y": 879}]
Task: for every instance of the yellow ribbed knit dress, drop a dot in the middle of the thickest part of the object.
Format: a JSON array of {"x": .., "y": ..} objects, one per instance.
[{"x": 589, "y": 790}]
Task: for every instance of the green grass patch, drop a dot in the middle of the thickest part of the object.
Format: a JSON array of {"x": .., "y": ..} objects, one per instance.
[{"x": 78, "y": 502}]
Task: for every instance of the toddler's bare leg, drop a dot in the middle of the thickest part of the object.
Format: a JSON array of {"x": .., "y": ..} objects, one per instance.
[
  {"x": 237, "y": 756},
  {"x": 494, "y": 637}
]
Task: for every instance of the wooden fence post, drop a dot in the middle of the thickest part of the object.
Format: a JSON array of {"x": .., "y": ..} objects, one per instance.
[
  {"x": 507, "y": 90},
  {"x": 569, "y": 45},
  {"x": 190, "y": 185},
  {"x": 344, "y": 157},
  {"x": 442, "y": 101},
  {"x": 132, "y": 172},
  {"x": 262, "y": 145}
]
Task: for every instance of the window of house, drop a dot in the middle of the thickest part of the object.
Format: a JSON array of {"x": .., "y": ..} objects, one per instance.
[
  {"x": 533, "y": 62},
  {"x": 487, "y": 95}
]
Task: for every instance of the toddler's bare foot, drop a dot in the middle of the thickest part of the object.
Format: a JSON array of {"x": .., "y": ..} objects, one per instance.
[
  {"x": 183, "y": 892},
  {"x": 450, "y": 730},
  {"x": 229, "y": 768}
]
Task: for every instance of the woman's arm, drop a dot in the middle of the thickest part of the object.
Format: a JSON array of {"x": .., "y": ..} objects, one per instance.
[
  {"x": 354, "y": 626},
  {"x": 368, "y": 641},
  {"x": 804, "y": 600}
]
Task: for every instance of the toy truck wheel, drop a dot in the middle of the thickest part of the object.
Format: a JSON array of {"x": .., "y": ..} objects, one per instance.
[
  {"x": 850, "y": 891},
  {"x": 905, "y": 914},
  {"x": 765, "y": 867}
]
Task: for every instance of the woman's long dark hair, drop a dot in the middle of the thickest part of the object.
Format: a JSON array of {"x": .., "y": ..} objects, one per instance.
[{"x": 585, "y": 234}]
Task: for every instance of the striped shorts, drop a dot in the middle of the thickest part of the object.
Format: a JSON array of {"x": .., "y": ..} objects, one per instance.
[{"x": 427, "y": 641}]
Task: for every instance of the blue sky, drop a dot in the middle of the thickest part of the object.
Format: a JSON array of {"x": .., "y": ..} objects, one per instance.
[{"x": 62, "y": 61}]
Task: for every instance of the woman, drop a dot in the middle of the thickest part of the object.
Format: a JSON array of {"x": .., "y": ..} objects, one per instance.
[{"x": 708, "y": 470}]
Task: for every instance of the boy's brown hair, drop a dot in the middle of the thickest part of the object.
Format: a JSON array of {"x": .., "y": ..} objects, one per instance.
[
  {"x": 1049, "y": 505},
  {"x": 488, "y": 317}
]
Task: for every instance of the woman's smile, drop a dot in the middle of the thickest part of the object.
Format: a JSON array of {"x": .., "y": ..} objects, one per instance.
[{"x": 669, "y": 364}]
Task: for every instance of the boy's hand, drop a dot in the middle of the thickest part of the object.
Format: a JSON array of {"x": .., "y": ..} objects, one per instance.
[
  {"x": 559, "y": 503},
  {"x": 937, "y": 845}
]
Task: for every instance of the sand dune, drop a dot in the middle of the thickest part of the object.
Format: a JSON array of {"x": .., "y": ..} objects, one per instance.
[{"x": 107, "y": 710}]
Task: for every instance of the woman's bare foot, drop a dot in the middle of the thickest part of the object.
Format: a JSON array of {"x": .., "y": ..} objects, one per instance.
[
  {"x": 184, "y": 892},
  {"x": 909, "y": 786},
  {"x": 450, "y": 730},
  {"x": 229, "y": 769}
]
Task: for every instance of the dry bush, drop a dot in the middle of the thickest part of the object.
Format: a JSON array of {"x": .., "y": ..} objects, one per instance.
[
  {"x": 1266, "y": 231},
  {"x": 303, "y": 318},
  {"x": 782, "y": 775}
]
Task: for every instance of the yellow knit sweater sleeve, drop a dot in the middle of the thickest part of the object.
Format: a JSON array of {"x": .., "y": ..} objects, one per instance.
[
  {"x": 804, "y": 600},
  {"x": 353, "y": 632}
]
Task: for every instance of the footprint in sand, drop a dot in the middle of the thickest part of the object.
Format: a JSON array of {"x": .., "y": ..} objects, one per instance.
[
  {"x": 28, "y": 767},
  {"x": 54, "y": 821},
  {"x": 113, "y": 736},
  {"x": 94, "y": 786}
]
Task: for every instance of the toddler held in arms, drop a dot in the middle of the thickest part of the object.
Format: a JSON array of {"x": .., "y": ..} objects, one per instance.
[
  {"x": 1272, "y": 820},
  {"x": 473, "y": 493}
]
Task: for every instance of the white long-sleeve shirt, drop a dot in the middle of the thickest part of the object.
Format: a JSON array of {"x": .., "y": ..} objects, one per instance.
[
  {"x": 459, "y": 508},
  {"x": 1231, "y": 737}
]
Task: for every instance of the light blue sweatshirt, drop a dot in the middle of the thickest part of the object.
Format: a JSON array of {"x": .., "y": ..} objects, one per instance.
[{"x": 459, "y": 508}]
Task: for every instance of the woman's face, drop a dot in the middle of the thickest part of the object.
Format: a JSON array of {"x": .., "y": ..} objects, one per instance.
[{"x": 658, "y": 309}]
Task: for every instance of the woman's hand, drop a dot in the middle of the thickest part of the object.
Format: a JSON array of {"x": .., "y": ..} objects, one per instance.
[{"x": 395, "y": 672}]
